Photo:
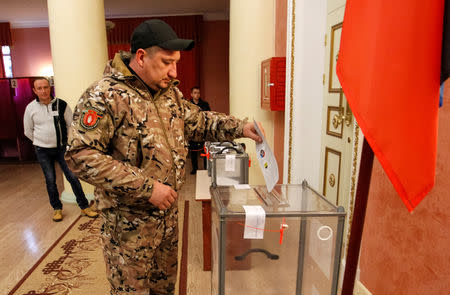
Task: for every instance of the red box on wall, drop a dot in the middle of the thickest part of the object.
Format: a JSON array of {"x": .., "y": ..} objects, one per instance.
[{"x": 273, "y": 83}]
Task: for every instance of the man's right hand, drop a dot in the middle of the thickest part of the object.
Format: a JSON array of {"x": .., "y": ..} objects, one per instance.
[{"x": 163, "y": 196}]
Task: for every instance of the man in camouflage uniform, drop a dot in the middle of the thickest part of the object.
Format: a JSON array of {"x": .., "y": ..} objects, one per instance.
[{"x": 129, "y": 139}]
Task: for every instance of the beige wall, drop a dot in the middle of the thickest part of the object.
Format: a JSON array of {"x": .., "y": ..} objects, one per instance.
[
  {"x": 303, "y": 132},
  {"x": 214, "y": 65},
  {"x": 252, "y": 32},
  {"x": 403, "y": 253}
]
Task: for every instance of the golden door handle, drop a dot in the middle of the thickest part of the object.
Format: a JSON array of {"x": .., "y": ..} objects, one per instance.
[
  {"x": 340, "y": 117},
  {"x": 337, "y": 120}
]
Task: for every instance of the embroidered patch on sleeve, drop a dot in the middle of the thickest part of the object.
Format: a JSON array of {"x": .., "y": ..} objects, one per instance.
[{"x": 90, "y": 118}]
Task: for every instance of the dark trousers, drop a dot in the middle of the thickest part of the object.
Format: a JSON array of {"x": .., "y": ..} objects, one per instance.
[
  {"x": 47, "y": 158},
  {"x": 194, "y": 158},
  {"x": 195, "y": 149}
]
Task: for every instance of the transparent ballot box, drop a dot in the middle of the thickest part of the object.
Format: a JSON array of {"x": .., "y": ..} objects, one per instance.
[
  {"x": 212, "y": 148},
  {"x": 296, "y": 249},
  {"x": 228, "y": 164}
]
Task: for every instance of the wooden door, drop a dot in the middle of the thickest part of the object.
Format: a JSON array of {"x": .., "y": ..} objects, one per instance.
[{"x": 337, "y": 126}]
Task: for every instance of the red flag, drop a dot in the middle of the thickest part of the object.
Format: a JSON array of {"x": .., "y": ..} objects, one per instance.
[{"x": 389, "y": 68}]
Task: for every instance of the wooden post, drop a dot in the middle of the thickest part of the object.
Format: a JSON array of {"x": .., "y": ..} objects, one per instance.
[{"x": 359, "y": 214}]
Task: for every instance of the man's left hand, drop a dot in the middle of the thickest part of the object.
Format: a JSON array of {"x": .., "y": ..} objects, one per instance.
[{"x": 250, "y": 131}]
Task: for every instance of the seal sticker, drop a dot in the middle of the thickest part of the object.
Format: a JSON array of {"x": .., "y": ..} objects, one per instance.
[{"x": 90, "y": 118}]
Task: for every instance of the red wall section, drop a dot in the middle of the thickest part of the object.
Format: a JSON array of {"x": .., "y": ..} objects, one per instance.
[
  {"x": 31, "y": 51},
  {"x": 278, "y": 141},
  {"x": 214, "y": 65},
  {"x": 280, "y": 27},
  {"x": 403, "y": 253}
]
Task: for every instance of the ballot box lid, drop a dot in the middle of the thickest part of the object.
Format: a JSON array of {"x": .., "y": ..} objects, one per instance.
[{"x": 284, "y": 200}]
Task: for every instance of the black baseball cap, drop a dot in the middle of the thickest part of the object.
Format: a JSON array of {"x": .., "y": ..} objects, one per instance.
[{"x": 155, "y": 32}]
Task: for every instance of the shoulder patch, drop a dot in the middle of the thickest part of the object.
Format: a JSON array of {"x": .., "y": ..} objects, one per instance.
[{"x": 90, "y": 118}]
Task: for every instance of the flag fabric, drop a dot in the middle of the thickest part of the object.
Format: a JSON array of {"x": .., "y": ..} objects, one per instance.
[{"x": 389, "y": 66}]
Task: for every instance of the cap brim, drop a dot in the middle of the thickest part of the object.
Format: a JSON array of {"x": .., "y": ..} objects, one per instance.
[{"x": 178, "y": 44}]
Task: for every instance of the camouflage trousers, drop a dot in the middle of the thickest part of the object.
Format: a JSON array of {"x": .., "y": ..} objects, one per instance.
[{"x": 140, "y": 248}]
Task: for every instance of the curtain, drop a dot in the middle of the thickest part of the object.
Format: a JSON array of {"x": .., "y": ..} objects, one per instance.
[
  {"x": 13, "y": 143},
  {"x": 114, "y": 48},
  {"x": 7, "y": 111},
  {"x": 188, "y": 71},
  {"x": 8, "y": 146},
  {"x": 5, "y": 34},
  {"x": 23, "y": 96},
  {"x": 186, "y": 27},
  {"x": 2, "y": 67}
]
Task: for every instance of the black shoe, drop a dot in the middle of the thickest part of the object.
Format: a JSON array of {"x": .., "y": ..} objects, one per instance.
[{"x": 193, "y": 172}]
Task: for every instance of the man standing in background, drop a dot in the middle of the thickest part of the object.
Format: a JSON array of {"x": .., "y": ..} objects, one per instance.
[
  {"x": 46, "y": 122},
  {"x": 195, "y": 147}
]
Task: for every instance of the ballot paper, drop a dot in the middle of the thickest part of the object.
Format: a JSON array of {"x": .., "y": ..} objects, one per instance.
[
  {"x": 255, "y": 218},
  {"x": 242, "y": 186},
  {"x": 230, "y": 162},
  {"x": 267, "y": 161}
]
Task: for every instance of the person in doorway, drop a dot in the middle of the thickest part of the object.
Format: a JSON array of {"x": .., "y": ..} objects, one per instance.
[
  {"x": 46, "y": 122},
  {"x": 196, "y": 147},
  {"x": 129, "y": 140}
]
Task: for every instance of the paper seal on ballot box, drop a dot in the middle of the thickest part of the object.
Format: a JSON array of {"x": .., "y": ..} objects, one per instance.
[{"x": 255, "y": 218}]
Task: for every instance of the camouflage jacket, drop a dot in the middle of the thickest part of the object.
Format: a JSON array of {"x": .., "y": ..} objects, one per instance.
[{"x": 124, "y": 138}]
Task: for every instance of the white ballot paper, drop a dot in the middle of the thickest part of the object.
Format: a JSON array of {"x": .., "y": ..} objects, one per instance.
[
  {"x": 255, "y": 218},
  {"x": 242, "y": 186},
  {"x": 267, "y": 161},
  {"x": 230, "y": 161}
]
